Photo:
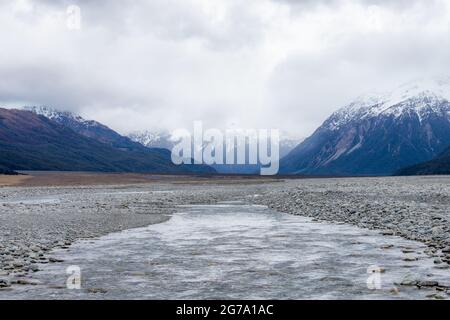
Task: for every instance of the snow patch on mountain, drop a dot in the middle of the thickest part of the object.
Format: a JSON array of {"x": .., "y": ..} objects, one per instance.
[
  {"x": 163, "y": 139},
  {"x": 153, "y": 139},
  {"x": 54, "y": 114},
  {"x": 422, "y": 97}
]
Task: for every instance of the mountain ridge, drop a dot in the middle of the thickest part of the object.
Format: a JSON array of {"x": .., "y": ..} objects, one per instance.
[
  {"x": 29, "y": 141},
  {"x": 378, "y": 134},
  {"x": 88, "y": 128}
]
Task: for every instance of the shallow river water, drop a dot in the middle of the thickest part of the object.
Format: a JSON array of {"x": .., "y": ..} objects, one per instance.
[{"x": 237, "y": 251}]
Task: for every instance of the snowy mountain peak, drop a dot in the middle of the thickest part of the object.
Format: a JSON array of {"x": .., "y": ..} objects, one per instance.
[
  {"x": 155, "y": 139},
  {"x": 45, "y": 111},
  {"x": 59, "y": 116},
  {"x": 437, "y": 88},
  {"x": 424, "y": 96},
  {"x": 378, "y": 134}
]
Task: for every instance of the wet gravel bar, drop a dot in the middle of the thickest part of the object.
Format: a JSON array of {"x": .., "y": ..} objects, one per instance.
[
  {"x": 416, "y": 208},
  {"x": 36, "y": 220}
]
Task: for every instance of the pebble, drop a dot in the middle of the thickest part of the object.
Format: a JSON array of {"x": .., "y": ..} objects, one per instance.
[
  {"x": 57, "y": 287},
  {"x": 428, "y": 283},
  {"x": 4, "y": 283},
  {"x": 394, "y": 290},
  {"x": 97, "y": 290},
  {"x": 410, "y": 258},
  {"x": 24, "y": 281},
  {"x": 409, "y": 282},
  {"x": 441, "y": 288},
  {"x": 446, "y": 250},
  {"x": 34, "y": 268}
]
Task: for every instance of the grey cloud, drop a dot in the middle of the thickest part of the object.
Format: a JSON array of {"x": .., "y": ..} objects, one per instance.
[
  {"x": 147, "y": 64},
  {"x": 170, "y": 19},
  {"x": 315, "y": 3}
]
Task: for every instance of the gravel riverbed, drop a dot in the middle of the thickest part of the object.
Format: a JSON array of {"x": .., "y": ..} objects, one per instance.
[
  {"x": 35, "y": 220},
  {"x": 416, "y": 208}
]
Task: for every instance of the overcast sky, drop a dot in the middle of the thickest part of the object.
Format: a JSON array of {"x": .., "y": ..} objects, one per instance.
[{"x": 158, "y": 64}]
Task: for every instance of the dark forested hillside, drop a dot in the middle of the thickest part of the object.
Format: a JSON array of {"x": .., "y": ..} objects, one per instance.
[{"x": 32, "y": 142}]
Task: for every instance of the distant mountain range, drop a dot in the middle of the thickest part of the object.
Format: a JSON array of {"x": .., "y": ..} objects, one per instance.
[
  {"x": 88, "y": 128},
  {"x": 405, "y": 132},
  {"x": 153, "y": 139},
  {"x": 45, "y": 139},
  {"x": 379, "y": 134},
  {"x": 163, "y": 139}
]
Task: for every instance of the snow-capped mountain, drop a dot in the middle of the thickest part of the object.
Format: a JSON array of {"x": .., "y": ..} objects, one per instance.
[
  {"x": 288, "y": 143},
  {"x": 60, "y": 116},
  {"x": 45, "y": 139},
  {"x": 163, "y": 139},
  {"x": 421, "y": 97},
  {"x": 379, "y": 133},
  {"x": 153, "y": 139},
  {"x": 88, "y": 128}
]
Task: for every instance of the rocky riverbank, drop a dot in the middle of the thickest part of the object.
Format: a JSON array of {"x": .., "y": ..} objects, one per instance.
[
  {"x": 416, "y": 208},
  {"x": 35, "y": 220}
]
